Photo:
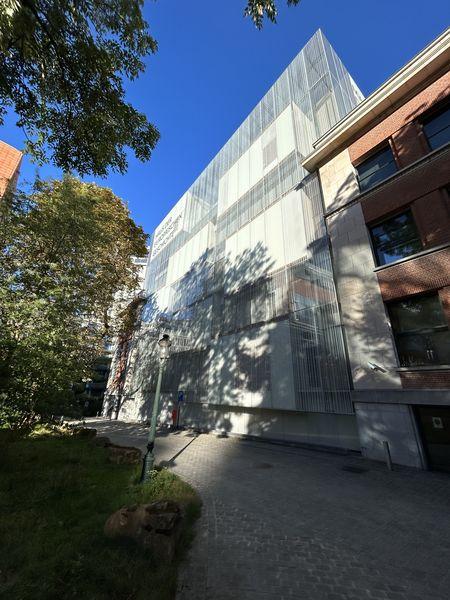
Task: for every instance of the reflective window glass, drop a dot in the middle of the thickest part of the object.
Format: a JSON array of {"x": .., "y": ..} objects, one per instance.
[
  {"x": 269, "y": 153},
  {"x": 437, "y": 128},
  {"x": 395, "y": 238},
  {"x": 376, "y": 168},
  {"x": 421, "y": 332}
]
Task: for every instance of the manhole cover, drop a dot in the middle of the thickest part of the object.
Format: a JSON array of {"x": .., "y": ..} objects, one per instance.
[
  {"x": 352, "y": 469},
  {"x": 263, "y": 465}
]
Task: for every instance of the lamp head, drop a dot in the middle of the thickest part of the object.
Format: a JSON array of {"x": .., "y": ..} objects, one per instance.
[{"x": 164, "y": 344}]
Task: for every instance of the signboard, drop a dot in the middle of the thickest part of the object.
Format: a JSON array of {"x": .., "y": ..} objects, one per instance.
[
  {"x": 169, "y": 227},
  {"x": 166, "y": 233},
  {"x": 180, "y": 396}
]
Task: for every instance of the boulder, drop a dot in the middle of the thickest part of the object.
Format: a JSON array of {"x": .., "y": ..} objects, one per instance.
[
  {"x": 155, "y": 526},
  {"x": 124, "y": 455}
]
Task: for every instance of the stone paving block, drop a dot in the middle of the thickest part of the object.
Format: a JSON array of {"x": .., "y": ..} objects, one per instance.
[{"x": 304, "y": 529}]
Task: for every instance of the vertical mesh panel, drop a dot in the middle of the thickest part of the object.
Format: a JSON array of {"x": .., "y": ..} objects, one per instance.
[{"x": 239, "y": 266}]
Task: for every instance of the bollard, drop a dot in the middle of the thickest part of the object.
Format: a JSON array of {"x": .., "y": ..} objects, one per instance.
[{"x": 388, "y": 455}]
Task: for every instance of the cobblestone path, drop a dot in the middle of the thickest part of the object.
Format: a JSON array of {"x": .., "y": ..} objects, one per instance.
[{"x": 283, "y": 523}]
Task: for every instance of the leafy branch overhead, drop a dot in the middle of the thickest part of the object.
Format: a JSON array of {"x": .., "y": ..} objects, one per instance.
[
  {"x": 62, "y": 69},
  {"x": 62, "y": 66},
  {"x": 257, "y": 10}
]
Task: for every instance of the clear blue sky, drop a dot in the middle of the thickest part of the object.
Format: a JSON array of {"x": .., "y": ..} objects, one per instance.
[{"x": 212, "y": 68}]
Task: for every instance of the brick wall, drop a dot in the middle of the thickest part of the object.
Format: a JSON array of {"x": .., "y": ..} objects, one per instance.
[
  {"x": 415, "y": 276},
  {"x": 409, "y": 144},
  {"x": 425, "y": 379},
  {"x": 422, "y": 188},
  {"x": 432, "y": 216},
  {"x": 428, "y": 178}
]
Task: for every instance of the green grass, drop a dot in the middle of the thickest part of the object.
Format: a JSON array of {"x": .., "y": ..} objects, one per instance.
[{"x": 56, "y": 493}]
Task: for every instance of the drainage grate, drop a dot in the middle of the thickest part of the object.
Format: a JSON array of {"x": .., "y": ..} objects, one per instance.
[{"x": 352, "y": 469}]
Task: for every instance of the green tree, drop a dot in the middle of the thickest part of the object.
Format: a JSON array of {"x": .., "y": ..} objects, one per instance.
[
  {"x": 257, "y": 10},
  {"x": 62, "y": 66},
  {"x": 65, "y": 252}
]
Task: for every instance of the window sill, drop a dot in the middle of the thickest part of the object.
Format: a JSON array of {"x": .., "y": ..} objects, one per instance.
[
  {"x": 412, "y": 257},
  {"x": 424, "y": 368}
]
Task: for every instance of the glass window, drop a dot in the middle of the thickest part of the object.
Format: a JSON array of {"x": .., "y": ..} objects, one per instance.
[
  {"x": 325, "y": 113},
  {"x": 232, "y": 220},
  {"x": 257, "y": 198},
  {"x": 376, "y": 168},
  {"x": 437, "y": 128},
  {"x": 243, "y": 209},
  {"x": 288, "y": 172},
  {"x": 421, "y": 332},
  {"x": 221, "y": 229},
  {"x": 271, "y": 187},
  {"x": 269, "y": 152},
  {"x": 258, "y": 302},
  {"x": 395, "y": 238}
]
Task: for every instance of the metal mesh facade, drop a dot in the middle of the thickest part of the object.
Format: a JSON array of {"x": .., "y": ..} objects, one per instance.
[{"x": 240, "y": 272}]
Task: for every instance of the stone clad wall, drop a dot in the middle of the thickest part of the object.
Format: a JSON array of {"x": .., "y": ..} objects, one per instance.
[
  {"x": 393, "y": 423},
  {"x": 367, "y": 331}
]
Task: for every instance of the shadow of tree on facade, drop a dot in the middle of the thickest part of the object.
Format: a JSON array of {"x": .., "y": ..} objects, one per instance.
[
  {"x": 215, "y": 358},
  {"x": 362, "y": 311},
  {"x": 247, "y": 338},
  {"x": 345, "y": 192},
  {"x": 365, "y": 318},
  {"x": 424, "y": 106}
]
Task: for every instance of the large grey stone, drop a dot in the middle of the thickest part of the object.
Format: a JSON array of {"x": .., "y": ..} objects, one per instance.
[{"x": 155, "y": 526}]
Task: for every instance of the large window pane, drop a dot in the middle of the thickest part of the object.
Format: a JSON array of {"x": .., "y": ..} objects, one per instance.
[
  {"x": 437, "y": 128},
  {"x": 269, "y": 152},
  {"x": 232, "y": 220},
  {"x": 418, "y": 313},
  {"x": 376, "y": 168},
  {"x": 395, "y": 238},
  {"x": 421, "y": 331},
  {"x": 424, "y": 349}
]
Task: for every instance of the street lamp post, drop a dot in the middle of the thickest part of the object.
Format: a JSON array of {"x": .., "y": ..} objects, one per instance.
[{"x": 164, "y": 344}]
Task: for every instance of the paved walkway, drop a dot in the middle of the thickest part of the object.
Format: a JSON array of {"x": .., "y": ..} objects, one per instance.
[{"x": 282, "y": 523}]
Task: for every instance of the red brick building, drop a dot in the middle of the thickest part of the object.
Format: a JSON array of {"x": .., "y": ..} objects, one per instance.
[
  {"x": 385, "y": 175},
  {"x": 10, "y": 160}
]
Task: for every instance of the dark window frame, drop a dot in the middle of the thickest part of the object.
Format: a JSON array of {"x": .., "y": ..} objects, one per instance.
[
  {"x": 384, "y": 219},
  {"x": 421, "y": 331},
  {"x": 385, "y": 145},
  {"x": 430, "y": 115}
]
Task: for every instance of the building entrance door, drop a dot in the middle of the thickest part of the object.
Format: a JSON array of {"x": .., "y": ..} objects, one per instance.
[{"x": 434, "y": 422}]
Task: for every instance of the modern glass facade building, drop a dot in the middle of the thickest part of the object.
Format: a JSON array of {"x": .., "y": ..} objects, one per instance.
[{"x": 240, "y": 275}]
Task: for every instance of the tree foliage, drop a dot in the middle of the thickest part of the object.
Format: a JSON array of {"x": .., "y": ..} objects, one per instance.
[
  {"x": 62, "y": 65},
  {"x": 257, "y": 10},
  {"x": 62, "y": 68},
  {"x": 66, "y": 252}
]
